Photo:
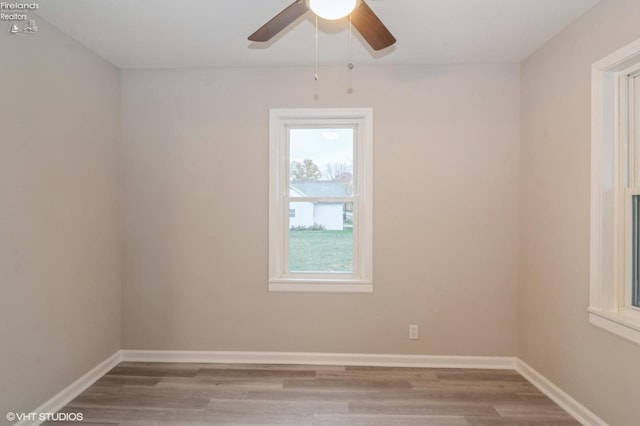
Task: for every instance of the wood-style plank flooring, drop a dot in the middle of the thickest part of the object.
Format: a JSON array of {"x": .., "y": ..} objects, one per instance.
[{"x": 141, "y": 394}]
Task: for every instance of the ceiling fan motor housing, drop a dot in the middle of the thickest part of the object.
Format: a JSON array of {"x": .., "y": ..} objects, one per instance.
[
  {"x": 364, "y": 20},
  {"x": 332, "y": 9}
]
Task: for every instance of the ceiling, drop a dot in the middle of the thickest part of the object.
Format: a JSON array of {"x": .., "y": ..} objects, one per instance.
[{"x": 136, "y": 34}]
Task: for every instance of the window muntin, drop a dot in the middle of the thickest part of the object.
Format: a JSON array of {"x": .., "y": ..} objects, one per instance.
[{"x": 320, "y": 169}]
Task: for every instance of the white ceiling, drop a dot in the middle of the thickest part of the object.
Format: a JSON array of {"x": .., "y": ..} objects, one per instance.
[{"x": 210, "y": 33}]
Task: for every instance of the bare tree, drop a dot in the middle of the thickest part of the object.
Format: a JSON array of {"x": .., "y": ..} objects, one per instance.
[{"x": 341, "y": 172}]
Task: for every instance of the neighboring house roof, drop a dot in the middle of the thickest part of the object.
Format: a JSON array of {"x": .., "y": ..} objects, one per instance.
[
  {"x": 319, "y": 188},
  {"x": 295, "y": 192}
]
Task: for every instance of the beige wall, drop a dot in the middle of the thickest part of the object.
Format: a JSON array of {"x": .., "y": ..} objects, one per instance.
[
  {"x": 448, "y": 194},
  {"x": 597, "y": 368},
  {"x": 60, "y": 256},
  {"x": 195, "y": 145}
]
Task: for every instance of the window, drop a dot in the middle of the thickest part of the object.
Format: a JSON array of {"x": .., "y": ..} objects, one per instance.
[
  {"x": 320, "y": 200},
  {"x": 615, "y": 193}
]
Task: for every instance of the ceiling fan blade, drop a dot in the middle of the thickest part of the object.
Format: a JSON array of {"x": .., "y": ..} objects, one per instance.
[
  {"x": 280, "y": 21},
  {"x": 371, "y": 27}
]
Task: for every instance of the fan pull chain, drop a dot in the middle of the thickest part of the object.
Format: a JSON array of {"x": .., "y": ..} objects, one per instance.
[
  {"x": 350, "y": 64},
  {"x": 316, "y": 74}
]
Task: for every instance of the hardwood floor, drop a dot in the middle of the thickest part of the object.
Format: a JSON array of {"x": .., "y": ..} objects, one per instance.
[{"x": 141, "y": 394}]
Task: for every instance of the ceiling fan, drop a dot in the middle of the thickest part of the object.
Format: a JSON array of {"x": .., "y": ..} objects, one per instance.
[{"x": 362, "y": 18}]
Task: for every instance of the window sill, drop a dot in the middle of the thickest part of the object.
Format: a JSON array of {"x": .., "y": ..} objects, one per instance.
[
  {"x": 312, "y": 286},
  {"x": 616, "y": 324}
]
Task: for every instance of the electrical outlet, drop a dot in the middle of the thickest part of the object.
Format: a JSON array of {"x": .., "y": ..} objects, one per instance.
[{"x": 413, "y": 331}]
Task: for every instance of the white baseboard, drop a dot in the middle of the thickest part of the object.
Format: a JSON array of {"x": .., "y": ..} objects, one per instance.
[
  {"x": 564, "y": 400},
  {"x": 74, "y": 389},
  {"x": 373, "y": 360},
  {"x": 557, "y": 395}
]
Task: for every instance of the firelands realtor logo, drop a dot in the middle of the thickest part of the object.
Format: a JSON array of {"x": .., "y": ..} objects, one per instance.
[{"x": 17, "y": 14}]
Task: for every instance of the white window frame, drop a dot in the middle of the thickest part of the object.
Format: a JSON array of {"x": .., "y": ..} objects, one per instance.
[
  {"x": 614, "y": 171},
  {"x": 280, "y": 121}
]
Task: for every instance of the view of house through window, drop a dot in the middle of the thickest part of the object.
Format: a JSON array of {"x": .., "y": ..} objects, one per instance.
[{"x": 321, "y": 202}]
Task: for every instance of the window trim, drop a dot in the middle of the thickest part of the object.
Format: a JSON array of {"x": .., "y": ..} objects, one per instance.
[
  {"x": 609, "y": 245},
  {"x": 361, "y": 281}
]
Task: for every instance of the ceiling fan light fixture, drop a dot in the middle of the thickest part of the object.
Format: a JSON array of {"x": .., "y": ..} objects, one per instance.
[{"x": 332, "y": 9}]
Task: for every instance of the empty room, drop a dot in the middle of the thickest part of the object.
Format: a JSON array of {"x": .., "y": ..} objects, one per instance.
[{"x": 320, "y": 212}]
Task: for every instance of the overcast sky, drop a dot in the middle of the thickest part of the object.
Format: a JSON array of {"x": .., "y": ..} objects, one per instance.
[{"x": 323, "y": 146}]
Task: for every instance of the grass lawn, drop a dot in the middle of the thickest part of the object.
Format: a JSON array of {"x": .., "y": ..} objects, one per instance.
[{"x": 321, "y": 251}]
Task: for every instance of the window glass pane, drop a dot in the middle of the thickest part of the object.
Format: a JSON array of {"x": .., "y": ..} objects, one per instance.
[
  {"x": 635, "y": 95},
  {"x": 321, "y": 237},
  {"x": 635, "y": 125},
  {"x": 635, "y": 251},
  {"x": 321, "y": 155},
  {"x": 635, "y": 200}
]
